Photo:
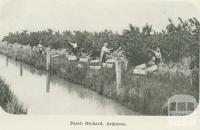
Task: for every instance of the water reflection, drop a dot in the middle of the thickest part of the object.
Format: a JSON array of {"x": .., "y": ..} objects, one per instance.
[
  {"x": 48, "y": 82},
  {"x": 21, "y": 69},
  {"x": 7, "y": 62}
]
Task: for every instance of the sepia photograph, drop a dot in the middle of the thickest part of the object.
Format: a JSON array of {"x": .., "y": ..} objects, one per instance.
[{"x": 93, "y": 57}]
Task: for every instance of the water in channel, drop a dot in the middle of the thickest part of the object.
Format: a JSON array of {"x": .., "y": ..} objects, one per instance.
[{"x": 42, "y": 93}]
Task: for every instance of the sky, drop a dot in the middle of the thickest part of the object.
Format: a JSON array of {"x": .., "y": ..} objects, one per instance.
[{"x": 90, "y": 15}]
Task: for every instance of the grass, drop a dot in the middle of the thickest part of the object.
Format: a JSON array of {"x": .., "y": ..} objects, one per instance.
[
  {"x": 149, "y": 93},
  {"x": 8, "y": 100},
  {"x": 144, "y": 94}
]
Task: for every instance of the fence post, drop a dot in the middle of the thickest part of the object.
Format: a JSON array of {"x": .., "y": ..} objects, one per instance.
[
  {"x": 15, "y": 53},
  {"x": 7, "y": 49},
  {"x": 118, "y": 70},
  {"x": 31, "y": 51},
  {"x": 48, "y": 59}
]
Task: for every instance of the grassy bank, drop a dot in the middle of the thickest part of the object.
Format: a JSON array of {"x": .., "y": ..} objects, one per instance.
[
  {"x": 8, "y": 100},
  {"x": 145, "y": 94},
  {"x": 149, "y": 93}
]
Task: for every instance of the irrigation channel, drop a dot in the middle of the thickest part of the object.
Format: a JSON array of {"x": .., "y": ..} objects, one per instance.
[{"x": 42, "y": 93}]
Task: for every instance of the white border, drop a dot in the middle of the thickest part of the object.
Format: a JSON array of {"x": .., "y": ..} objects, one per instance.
[{"x": 18, "y": 122}]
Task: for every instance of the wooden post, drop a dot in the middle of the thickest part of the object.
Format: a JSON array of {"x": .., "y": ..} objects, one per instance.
[
  {"x": 31, "y": 49},
  {"x": 48, "y": 62},
  {"x": 6, "y": 47},
  {"x": 118, "y": 70},
  {"x": 48, "y": 59},
  {"x": 15, "y": 53}
]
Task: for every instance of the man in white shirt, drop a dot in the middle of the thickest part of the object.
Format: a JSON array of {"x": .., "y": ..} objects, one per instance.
[
  {"x": 74, "y": 45},
  {"x": 74, "y": 48},
  {"x": 157, "y": 56},
  {"x": 104, "y": 52}
]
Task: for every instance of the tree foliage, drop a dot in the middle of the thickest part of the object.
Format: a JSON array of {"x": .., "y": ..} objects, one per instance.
[{"x": 176, "y": 41}]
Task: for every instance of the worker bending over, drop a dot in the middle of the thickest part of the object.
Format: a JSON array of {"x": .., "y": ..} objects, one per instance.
[
  {"x": 104, "y": 52},
  {"x": 74, "y": 48}
]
